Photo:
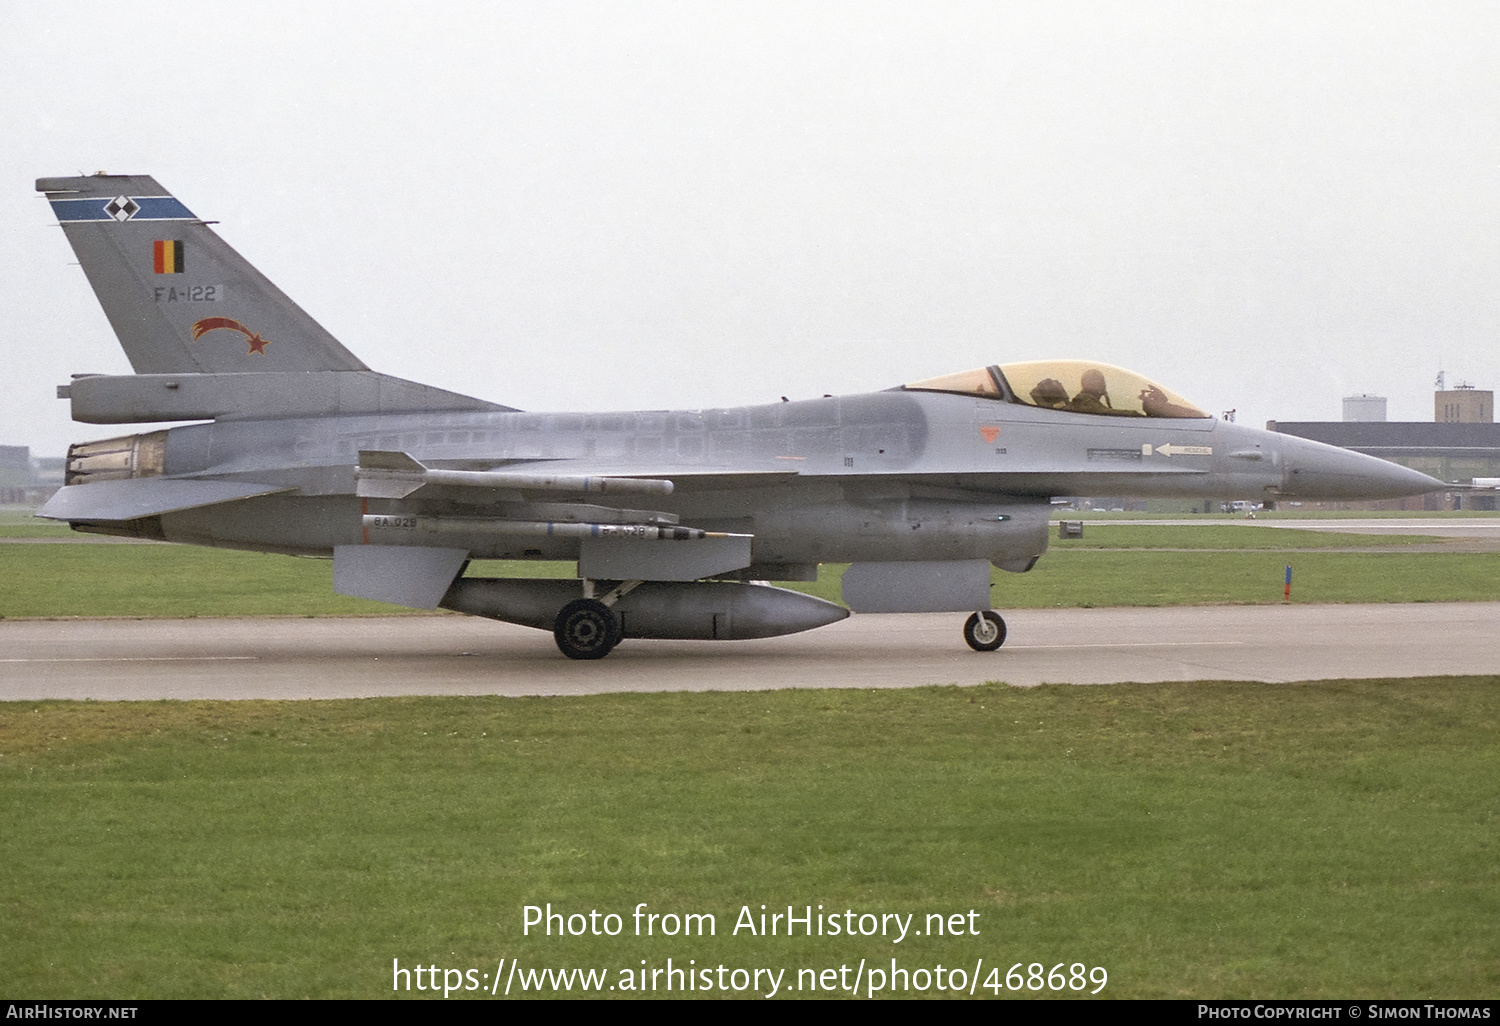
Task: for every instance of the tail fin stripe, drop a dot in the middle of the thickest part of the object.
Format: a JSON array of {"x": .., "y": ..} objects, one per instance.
[{"x": 148, "y": 208}]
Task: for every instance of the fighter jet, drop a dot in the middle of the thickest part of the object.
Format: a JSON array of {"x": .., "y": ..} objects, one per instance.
[{"x": 676, "y": 520}]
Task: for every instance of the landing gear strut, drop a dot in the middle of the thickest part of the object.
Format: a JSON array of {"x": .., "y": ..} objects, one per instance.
[
  {"x": 586, "y": 629},
  {"x": 984, "y": 631}
]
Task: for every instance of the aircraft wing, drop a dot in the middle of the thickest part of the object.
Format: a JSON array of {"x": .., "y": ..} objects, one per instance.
[{"x": 397, "y": 475}]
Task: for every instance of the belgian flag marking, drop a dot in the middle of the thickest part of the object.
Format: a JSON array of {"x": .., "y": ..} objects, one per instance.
[{"x": 168, "y": 256}]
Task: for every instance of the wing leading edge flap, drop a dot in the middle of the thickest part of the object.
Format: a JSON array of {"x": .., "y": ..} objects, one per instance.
[
  {"x": 395, "y": 475},
  {"x": 133, "y": 498},
  {"x": 385, "y": 474}
]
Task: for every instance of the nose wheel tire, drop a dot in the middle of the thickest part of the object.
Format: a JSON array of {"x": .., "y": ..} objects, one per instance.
[
  {"x": 586, "y": 629},
  {"x": 984, "y": 631}
]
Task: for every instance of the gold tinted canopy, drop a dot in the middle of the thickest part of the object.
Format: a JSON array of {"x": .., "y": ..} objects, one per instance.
[{"x": 1078, "y": 386}]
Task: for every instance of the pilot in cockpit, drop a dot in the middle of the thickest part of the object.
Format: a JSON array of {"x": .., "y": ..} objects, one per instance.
[
  {"x": 1093, "y": 395},
  {"x": 1156, "y": 403},
  {"x": 1050, "y": 394}
]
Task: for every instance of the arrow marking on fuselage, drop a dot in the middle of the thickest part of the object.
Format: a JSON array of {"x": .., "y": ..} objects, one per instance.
[{"x": 1169, "y": 450}]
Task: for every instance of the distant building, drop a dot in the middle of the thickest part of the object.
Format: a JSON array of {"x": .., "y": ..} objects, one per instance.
[
  {"x": 25, "y": 480},
  {"x": 1463, "y": 405},
  {"x": 15, "y": 473},
  {"x": 47, "y": 471},
  {"x": 1364, "y": 409}
]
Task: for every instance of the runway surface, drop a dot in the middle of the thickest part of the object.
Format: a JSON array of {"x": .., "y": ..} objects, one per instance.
[{"x": 453, "y": 655}]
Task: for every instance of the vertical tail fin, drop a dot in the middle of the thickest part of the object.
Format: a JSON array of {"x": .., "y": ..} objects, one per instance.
[{"x": 179, "y": 297}]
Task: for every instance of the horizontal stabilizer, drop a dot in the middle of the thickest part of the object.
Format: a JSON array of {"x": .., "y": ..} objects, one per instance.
[{"x": 132, "y": 498}]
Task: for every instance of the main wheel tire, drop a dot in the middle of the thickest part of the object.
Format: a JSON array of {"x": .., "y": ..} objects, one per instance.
[
  {"x": 586, "y": 629},
  {"x": 985, "y": 631}
]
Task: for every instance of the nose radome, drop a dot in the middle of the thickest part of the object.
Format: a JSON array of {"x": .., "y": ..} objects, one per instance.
[{"x": 1313, "y": 470}]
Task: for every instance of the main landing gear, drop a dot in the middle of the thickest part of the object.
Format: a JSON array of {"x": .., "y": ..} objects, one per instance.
[
  {"x": 586, "y": 629},
  {"x": 984, "y": 631},
  {"x": 589, "y": 628}
]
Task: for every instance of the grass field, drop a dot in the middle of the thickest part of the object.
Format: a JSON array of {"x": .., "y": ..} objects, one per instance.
[
  {"x": 1110, "y": 565},
  {"x": 1326, "y": 839}
]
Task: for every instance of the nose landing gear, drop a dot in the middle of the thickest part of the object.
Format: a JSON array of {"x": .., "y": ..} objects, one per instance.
[{"x": 985, "y": 631}]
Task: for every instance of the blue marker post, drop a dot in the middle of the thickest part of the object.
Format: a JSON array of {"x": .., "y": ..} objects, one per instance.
[{"x": 1286, "y": 596}]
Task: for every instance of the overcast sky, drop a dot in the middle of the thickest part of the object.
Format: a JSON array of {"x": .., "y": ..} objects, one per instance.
[{"x": 642, "y": 205}]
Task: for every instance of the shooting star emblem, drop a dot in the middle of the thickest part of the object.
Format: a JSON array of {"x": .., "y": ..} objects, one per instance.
[{"x": 203, "y": 327}]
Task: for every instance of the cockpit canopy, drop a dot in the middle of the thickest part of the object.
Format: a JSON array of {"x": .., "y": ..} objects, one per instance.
[{"x": 1079, "y": 386}]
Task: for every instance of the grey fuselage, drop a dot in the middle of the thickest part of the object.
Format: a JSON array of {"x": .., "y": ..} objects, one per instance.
[{"x": 886, "y": 476}]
